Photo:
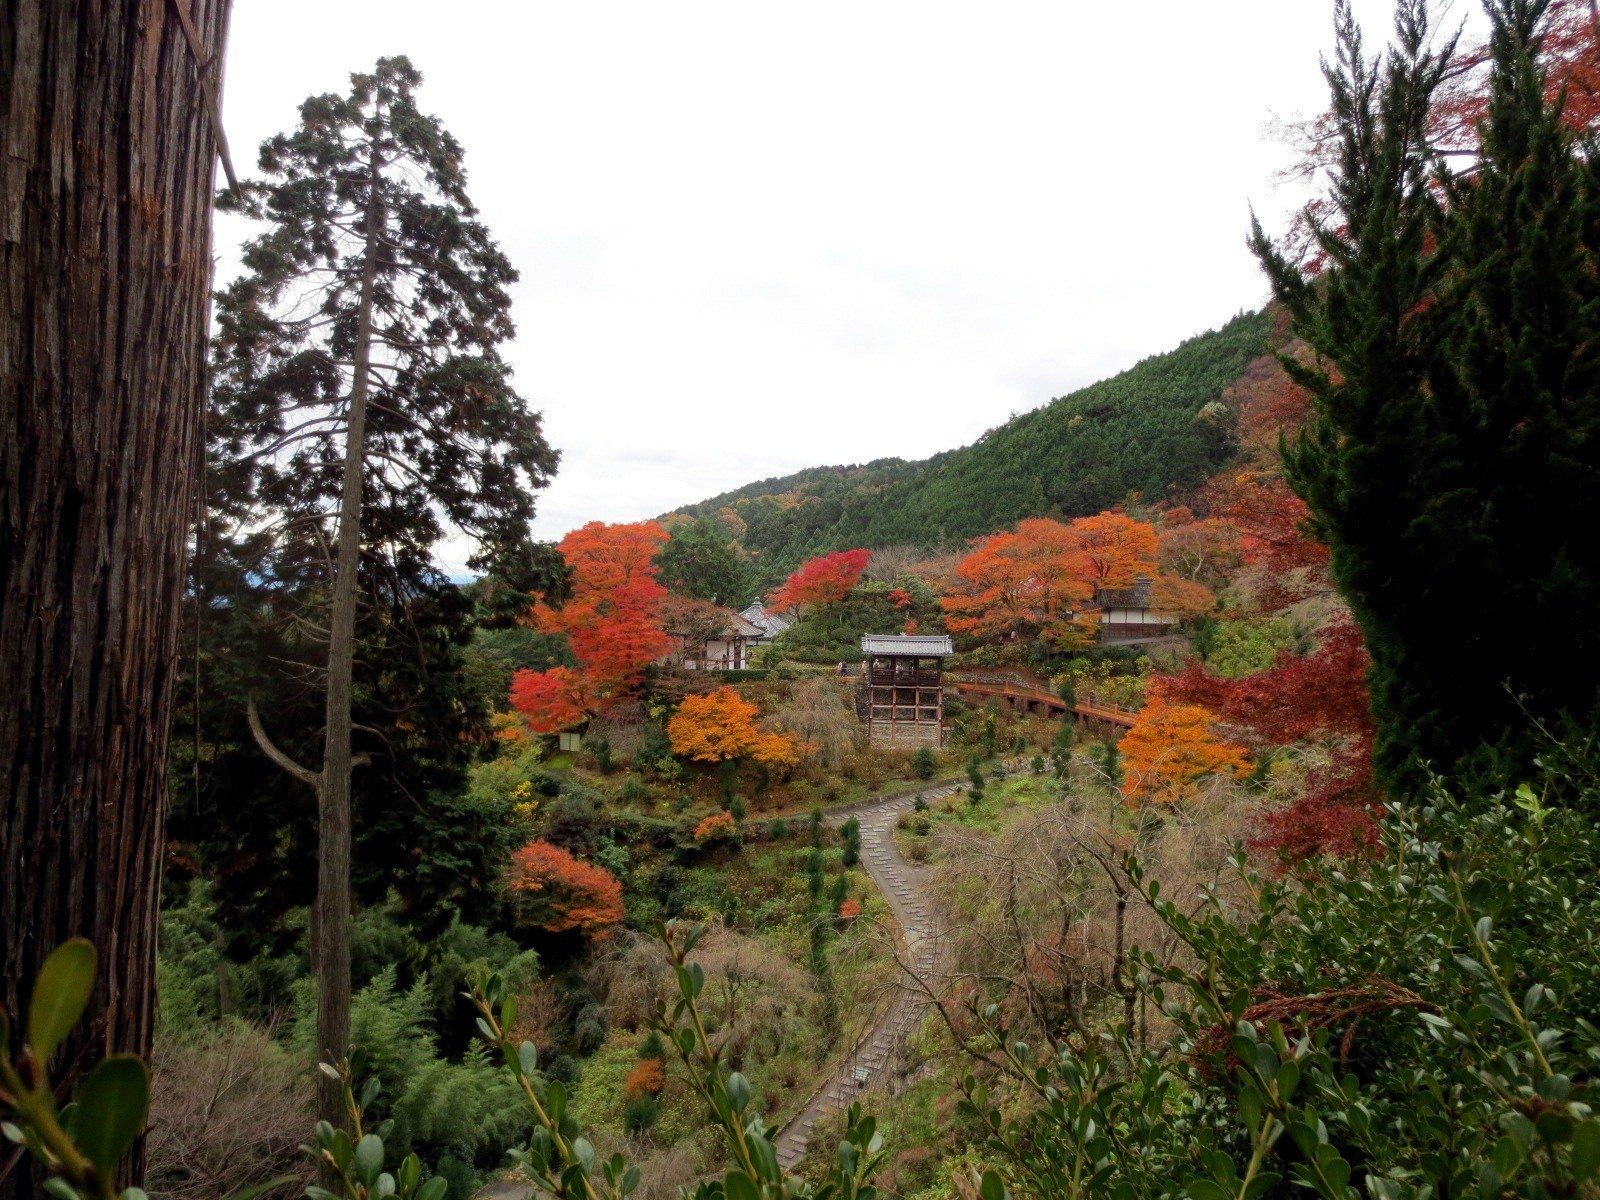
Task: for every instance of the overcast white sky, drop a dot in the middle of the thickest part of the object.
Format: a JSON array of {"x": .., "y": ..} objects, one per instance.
[{"x": 755, "y": 237}]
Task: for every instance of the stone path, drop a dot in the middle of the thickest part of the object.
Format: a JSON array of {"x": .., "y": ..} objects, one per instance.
[{"x": 881, "y": 1051}]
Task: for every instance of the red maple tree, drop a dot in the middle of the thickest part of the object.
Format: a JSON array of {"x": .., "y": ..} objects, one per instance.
[
  {"x": 552, "y": 700},
  {"x": 823, "y": 580},
  {"x": 1274, "y": 528},
  {"x": 1322, "y": 697},
  {"x": 612, "y": 621}
]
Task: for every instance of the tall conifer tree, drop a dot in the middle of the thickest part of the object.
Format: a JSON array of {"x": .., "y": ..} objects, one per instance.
[
  {"x": 1453, "y": 461},
  {"x": 362, "y": 408}
]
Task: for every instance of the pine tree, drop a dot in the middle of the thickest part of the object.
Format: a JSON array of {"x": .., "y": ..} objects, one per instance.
[
  {"x": 1453, "y": 460},
  {"x": 362, "y": 404}
]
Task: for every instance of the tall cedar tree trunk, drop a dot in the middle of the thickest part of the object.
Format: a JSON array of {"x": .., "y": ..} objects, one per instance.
[
  {"x": 331, "y": 953},
  {"x": 106, "y": 174}
]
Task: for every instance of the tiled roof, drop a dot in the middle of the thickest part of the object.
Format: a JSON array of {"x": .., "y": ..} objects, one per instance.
[
  {"x": 764, "y": 619},
  {"x": 934, "y": 645},
  {"x": 1137, "y": 596}
]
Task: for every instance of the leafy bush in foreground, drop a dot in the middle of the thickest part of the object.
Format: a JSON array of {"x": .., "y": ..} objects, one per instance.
[{"x": 1418, "y": 1024}]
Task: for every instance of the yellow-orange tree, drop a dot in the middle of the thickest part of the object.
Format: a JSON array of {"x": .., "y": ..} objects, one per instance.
[
  {"x": 1171, "y": 748},
  {"x": 721, "y": 727}
]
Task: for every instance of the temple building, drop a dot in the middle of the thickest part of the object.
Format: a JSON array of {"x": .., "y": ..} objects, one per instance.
[
  {"x": 902, "y": 692},
  {"x": 1126, "y": 615}
]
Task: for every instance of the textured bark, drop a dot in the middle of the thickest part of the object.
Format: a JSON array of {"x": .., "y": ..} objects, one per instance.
[{"x": 106, "y": 172}]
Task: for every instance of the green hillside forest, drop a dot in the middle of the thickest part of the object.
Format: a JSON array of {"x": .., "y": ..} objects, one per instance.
[{"x": 1158, "y": 426}]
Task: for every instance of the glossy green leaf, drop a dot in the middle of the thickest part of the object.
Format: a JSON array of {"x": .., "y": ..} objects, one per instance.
[{"x": 112, "y": 1104}]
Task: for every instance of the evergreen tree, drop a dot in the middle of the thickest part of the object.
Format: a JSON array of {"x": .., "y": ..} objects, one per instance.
[
  {"x": 1453, "y": 463},
  {"x": 105, "y": 270},
  {"x": 1111, "y": 763},
  {"x": 850, "y": 837},
  {"x": 702, "y": 561},
  {"x": 361, "y": 407}
]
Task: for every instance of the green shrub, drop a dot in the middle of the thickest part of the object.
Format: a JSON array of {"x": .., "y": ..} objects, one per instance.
[
  {"x": 640, "y": 1114},
  {"x": 1239, "y": 648},
  {"x": 1412, "y": 1025},
  {"x": 923, "y": 764}
]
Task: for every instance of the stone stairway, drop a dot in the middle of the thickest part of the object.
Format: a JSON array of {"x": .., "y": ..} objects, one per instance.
[{"x": 880, "y": 1054}]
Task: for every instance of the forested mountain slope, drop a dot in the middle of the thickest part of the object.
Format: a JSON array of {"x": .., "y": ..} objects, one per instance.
[{"x": 1156, "y": 426}]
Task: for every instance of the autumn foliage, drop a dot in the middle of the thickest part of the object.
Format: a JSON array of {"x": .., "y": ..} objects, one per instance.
[
  {"x": 550, "y": 700},
  {"x": 1114, "y": 549},
  {"x": 612, "y": 621},
  {"x": 1031, "y": 580},
  {"x": 717, "y": 825},
  {"x": 823, "y": 580},
  {"x": 1172, "y": 748},
  {"x": 559, "y": 893},
  {"x": 1042, "y": 579},
  {"x": 721, "y": 727},
  {"x": 1274, "y": 531},
  {"x": 647, "y": 1078},
  {"x": 1320, "y": 697}
]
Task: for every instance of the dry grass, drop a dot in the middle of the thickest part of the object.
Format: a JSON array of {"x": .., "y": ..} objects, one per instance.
[
  {"x": 752, "y": 993},
  {"x": 1042, "y": 915}
]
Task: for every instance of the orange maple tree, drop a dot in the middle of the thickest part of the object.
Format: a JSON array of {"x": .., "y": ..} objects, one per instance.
[
  {"x": 822, "y": 580},
  {"x": 721, "y": 727},
  {"x": 612, "y": 621},
  {"x": 1171, "y": 748},
  {"x": 717, "y": 825},
  {"x": 1180, "y": 597},
  {"x": 559, "y": 893},
  {"x": 1115, "y": 549},
  {"x": 1031, "y": 580},
  {"x": 1042, "y": 578}
]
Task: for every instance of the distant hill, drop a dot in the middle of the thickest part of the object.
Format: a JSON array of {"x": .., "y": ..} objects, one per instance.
[{"x": 1159, "y": 425}]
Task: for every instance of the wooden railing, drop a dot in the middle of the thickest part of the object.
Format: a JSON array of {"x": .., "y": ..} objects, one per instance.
[{"x": 1015, "y": 688}]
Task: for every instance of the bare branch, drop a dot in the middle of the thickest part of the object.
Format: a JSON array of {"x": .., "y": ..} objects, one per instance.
[{"x": 257, "y": 731}]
